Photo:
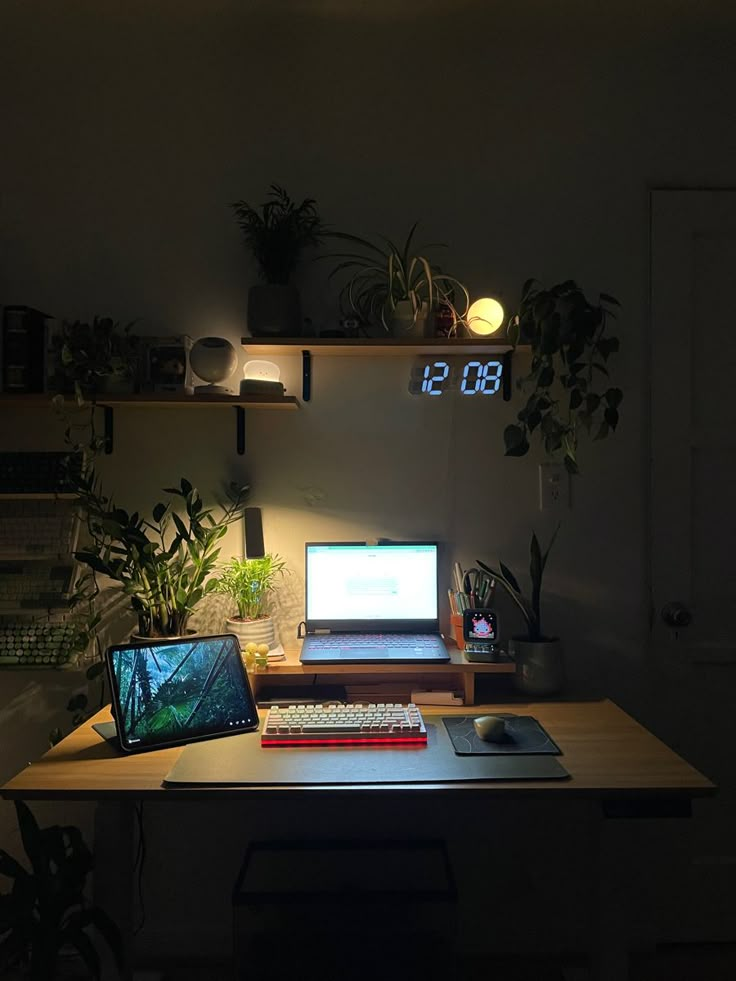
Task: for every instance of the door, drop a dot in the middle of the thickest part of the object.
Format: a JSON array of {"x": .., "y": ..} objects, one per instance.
[{"x": 693, "y": 528}]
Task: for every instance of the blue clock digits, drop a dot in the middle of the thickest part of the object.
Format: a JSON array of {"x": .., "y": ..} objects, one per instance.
[
  {"x": 432, "y": 383},
  {"x": 481, "y": 378}
]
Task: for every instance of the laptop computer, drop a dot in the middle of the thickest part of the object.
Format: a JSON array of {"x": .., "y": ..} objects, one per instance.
[{"x": 372, "y": 603}]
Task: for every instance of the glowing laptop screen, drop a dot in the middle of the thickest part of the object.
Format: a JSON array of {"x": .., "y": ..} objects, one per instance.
[{"x": 371, "y": 582}]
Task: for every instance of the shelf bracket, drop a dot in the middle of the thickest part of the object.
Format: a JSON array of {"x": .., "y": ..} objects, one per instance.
[
  {"x": 239, "y": 429},
  {"x": 506, "y": 378},
  {"x": 107, "y": 416},
  {"x": 306, "y": 376}
]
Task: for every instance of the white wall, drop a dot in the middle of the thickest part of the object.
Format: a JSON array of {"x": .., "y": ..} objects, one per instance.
[{"x": 525, "y": 137}]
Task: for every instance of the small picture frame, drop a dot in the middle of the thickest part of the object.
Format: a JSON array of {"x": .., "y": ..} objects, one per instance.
[{"x": 166, "y": 362}]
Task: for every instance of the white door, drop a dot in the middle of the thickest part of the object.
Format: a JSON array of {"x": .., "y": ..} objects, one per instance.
[{"x": 693, "y": 527}]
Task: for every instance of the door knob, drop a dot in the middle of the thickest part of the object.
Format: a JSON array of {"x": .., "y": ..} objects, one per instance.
[{"x": 676, "y": 615}]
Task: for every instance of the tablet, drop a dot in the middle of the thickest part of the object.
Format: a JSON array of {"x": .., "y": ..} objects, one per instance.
[{"x": 168, "y": 692}]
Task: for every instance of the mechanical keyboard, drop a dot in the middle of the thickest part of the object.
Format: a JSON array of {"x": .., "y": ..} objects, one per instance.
[{"x": 344, "y": 725}]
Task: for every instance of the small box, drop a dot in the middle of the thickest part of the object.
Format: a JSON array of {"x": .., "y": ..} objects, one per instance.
[{"x": 166, "y": 361}]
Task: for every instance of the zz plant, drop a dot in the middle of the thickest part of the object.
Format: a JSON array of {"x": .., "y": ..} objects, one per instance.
[
  {"x": 162, "y": 563},
  {"x": 568, "y": 385}
]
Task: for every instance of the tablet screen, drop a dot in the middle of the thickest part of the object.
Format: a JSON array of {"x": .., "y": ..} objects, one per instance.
[{"x": 175, "y": 691}]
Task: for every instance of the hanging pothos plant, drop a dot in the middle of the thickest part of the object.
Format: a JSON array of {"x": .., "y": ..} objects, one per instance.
[{"x": 568, "y": 385}]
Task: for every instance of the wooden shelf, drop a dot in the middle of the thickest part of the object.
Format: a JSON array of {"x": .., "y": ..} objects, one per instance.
[
  {"x": 160, "y": 400},
  {"x": 378, "y": 347},
  {"x": 372, "y": 346},
  {"x": 164, "y": 400},
  {"x": 458, "y": 673}
]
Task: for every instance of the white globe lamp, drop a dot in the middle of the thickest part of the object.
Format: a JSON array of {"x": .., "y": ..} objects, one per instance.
[{"x": 485, "y": 317}]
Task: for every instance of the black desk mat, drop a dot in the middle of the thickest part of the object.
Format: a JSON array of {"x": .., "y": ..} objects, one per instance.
[
  {"x": 524, "y": 735},
  {"x": 241, "y": 760}
]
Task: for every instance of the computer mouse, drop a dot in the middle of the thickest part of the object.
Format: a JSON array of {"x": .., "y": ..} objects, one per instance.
[{"x": 490, "y": 728}]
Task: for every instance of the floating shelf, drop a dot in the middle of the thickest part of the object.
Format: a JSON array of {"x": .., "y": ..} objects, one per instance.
[
  {"x": 165, "y": 400},
  {"x": 371, "y": 347}
]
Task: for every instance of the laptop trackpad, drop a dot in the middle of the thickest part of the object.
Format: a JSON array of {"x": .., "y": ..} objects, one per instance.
[{"x": 365, "y": 653}]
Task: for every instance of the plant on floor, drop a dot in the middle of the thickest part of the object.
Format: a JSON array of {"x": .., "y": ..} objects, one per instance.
[
  {"x": 162, "y": 563},
  {"x": 46, "y": 910},
  {"x": 278, "y": 232},
  {"x": 384, "y": 278},
  {"x": 249, "y": 582},
  {"x": 570, "y": 349},
  {"x": 530, "y": 607}
]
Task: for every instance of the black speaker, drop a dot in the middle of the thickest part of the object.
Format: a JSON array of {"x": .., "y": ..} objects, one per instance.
[{"x": 254, "y": 547}]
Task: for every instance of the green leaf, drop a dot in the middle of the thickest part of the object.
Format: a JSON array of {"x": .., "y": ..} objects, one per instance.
[
  {"x": 159, "y": 511},
  {"x": 533, "y": 420},
  {"x": 570, "y": 464},
  {"x": 509, "y": 576},
  {"x": 546, "y": 377},
  {"x": 602, "y": 368},
  {"x": 576, "y": 399},
  {"x": 513, "y": 437},
  {"x": 602, "y": 431},
  {"x": 31, "y": 837},
  {"x": 607, "y": 298},
  {"x": 614, "y": 396},
  {"x": 611, "y": 417},
  {"x": 552, "y": 443},
  {"x": 592, "y": 401}
]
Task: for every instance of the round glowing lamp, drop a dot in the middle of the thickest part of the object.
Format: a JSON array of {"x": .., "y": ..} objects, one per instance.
[
  {"x": 485, "y": 317},
  {"x": 260, "y": 378}
]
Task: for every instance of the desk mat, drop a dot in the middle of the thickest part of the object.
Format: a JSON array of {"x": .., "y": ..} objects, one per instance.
[
  {"x": 241, "y": 760},
  {"x": 524, "y": 735}
]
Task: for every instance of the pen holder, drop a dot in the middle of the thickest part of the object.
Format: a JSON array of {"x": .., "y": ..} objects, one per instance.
[{"x": 456, "y": 621}]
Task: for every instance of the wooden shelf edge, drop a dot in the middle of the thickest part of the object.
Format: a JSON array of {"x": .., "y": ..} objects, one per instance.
[
  {"x": 374, "y": 346},
  {"x": 150, "y": 400}
]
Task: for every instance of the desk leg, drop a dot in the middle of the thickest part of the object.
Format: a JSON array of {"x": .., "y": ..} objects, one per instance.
[
  {"x": 609, "y": 934},
  {"x": 114, "y": 879}
]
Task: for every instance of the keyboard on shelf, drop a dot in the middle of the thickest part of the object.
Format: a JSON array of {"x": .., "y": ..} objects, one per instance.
[
  {"x": 48, "y": 472},
  {"x": 344, "y": 725},
  {"x": 37, "y": 529}
]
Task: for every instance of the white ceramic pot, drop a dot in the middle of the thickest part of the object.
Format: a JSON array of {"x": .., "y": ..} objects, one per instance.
[
  {"x": 137, "y": 638},
  {"x": 404, "y": 322},
  {"x": 260, "y": 631},
  {"x": 540, "y": 666}
]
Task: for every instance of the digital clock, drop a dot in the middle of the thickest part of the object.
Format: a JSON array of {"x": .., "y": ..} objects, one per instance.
[{"x": 466, "y": 374}]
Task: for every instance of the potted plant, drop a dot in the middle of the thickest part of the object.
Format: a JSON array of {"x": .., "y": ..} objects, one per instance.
[
  {"x": 46, "y": 911},
  {"x": 568, "y": 382},
  {"x": 250, "y": 583},
  {"x": 96, "y": 358},
  {"x": 398, "y": 289},
  {"x": 277, "y": 233},
  {"x": 540, "y": 668},
  {"x": 162, "y": 563}
]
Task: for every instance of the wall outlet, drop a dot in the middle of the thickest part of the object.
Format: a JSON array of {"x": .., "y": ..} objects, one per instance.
[{"x": 554, "y": 487}]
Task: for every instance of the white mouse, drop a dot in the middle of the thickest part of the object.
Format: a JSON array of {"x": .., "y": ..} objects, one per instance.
[{"x": 490, "y": 728}]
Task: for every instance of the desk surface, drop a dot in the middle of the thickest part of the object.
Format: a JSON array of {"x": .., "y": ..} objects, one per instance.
[{"x": 607, "y": 753}]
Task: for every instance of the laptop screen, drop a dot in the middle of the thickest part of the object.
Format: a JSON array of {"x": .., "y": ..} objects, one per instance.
[{"x": 358, "y": 583}]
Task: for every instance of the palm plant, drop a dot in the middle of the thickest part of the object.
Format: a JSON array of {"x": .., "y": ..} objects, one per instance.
[
  {"x": 278, "y": 232},
  {"x": 162, "y": 563},
  {"x": 384, "y": 276},
  {"x": 46, "y": 909},
  {"x": 531, "y": 607},
  {"x": 248, "y": 582}
]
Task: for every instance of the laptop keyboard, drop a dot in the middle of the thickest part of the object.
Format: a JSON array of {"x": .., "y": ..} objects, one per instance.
[{"x": 330, "y": 642}]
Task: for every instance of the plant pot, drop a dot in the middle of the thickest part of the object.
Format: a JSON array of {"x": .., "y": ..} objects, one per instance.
[
  {"x": 540, "y": 666},
  {"x": 274, "y": 311},
  {"x": 137, "y": 638},
  {"x": 406, "y": 323},
  {"x": 261, "y": 631}
]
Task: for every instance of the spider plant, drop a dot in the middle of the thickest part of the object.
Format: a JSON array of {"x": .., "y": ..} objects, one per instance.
[{"x": 384, "y": 276}]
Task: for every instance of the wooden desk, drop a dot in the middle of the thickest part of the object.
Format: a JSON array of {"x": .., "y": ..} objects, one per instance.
[{"x": 612, "y": 760}]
